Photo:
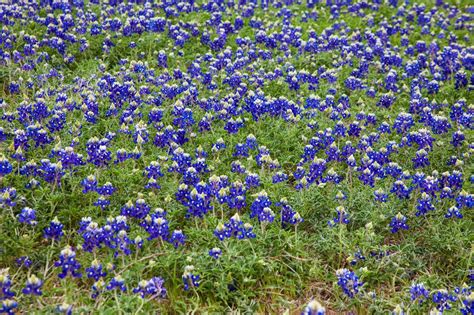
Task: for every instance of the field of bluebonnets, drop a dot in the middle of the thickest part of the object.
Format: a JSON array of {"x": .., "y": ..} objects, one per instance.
[{"x": 218, "y": 156}]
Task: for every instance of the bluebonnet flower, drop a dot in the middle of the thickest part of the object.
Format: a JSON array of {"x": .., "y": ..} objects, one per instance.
[
  {"x": 51, "y": 172},
  {"x": 419, "y": 292},
  {"x": 260, "y": 208},
  {"x": 468, "y": 304},
  {"x": 138, "y": 210},
  {"x": 453, "y": 212},
  {"x": 89, "y": 183},
  {"x": 162, "y": 59},
  {"x": 95, "y": 271},
  {"x": 316, "y": 170},
  {"x": 251, "y": 142},
  {"x": 353, "y": 259},
  {"x": 458, "y": 138},
  {"x": 222, "y": 232},
  {"x": 152, "y": 184},
  {"x": 5, "y": 286},
  {"x": 69, "y": 158},
  {"x": 241, "y": 150},
  {"x": 33, "y": 286},
  {"x": 398, "y": 223},
  {"x": 446, "y": 193},
  {"x": 65, "y": 309},
  {"x": 238, "y": 229},
  {"x": 97, "y": 152},
  {"x": 219, "y": 145},
  {"x": 121, "y": 156},
  {"x": 68, "y": 263},
  {"x": 153, "y": 170},
  {"x": 237, "y": 167},
  {"x": 156, "y": 226},
  {"x": 215, "y": 252},
  {"x": 342, "y": 217},
  {"x": 97, "y": 288},
  {"x": 287, "y": 214},
  {"x": 246, "y": 231},
  {"x": 237, "y": 197},
  {"x": 442, "y": 299},
  {"x": 107, "y": 190},
  {"x": 24, "y": 261},
  {"x": 403, "y": 123},
  {"x": 27, "y": 216},
  {"x": 117, "y": 282},
  {"x": 455, "y": 180},
  {"x": 386, "y": 100},
  {"x": 8, "y": 196},
  {"x": 177, "y": 238},
  {"x": 380, "y": 196},
  {"x": 191, "y": 176},
  {"x": 189, "y": 278},
  {"x": 252, "y": 180},
  {"x": 314, "y": 308},
  {"x": 121, "y": 243},
  {"x": 198, "y": 204},
  {"x": 424, "y": 205},
  {"x": 5, "y": 166},
  {"x": 464, "y": 199},
  {"x": 233, "y": 125},
  {"x": 102, "y": 202},
  {"x": 8, "y": 306},
  {"x": 153, "y": 288},
  {"x": 54, "y": 230},
  {"x": 349, "y": 282},
  {"x": 400, "y": 190}
]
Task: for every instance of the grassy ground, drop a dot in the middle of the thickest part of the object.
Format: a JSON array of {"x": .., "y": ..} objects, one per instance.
[{"x": 282, "y": 268}]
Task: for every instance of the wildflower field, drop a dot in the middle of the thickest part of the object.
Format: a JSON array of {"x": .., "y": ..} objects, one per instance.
[{"x": 270, "y": 157}]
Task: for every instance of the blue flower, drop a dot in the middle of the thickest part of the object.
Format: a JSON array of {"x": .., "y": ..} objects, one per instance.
[
  {"x": 453, "y": 212},
  {"x": 65, "y": 309},
  {"x": 342, "y": 217},
  {"x": 89, "y": 183},
  {"x": 5, "y": 166},
  {"x": 68, "y": 263},
  {"x": 153, "y": 288},
  {"x": 314, "y": 308},
  {"x": 380, "y": 196},
  {"x": 117, "y": 282},
  {"x": 442, "y": 299},
  {"x": 8, "y": 306},
  {"x": 156, "y": 226},
  {"x": 95, "y": 271},
  {"x": 215, "y": 252},
  {"x": 27, "y": 216},
  {"x": 33, "y": 286},
  {"x": 398, "y": 223},
  {"x": 260, "y": 208},
  {"x": 419, "y": 292},
  {"x": 5, "y": 286},
  {"x": 349, "y": 282},
  {"x": 189, "y": 278},
  {"x": 97, "y": 288},
  {"x": 177, "y": 238},
  {"x": 24, "y": 261},
  {"x": 424, "y": 205},
  {"x": 287, "y": 214},
  {"x": 54, "y": 230},
  {"x": 222, "y": 232}
]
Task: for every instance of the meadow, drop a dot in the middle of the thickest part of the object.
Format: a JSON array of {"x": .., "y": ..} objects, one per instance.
[{"x": 274, "y": 157}]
